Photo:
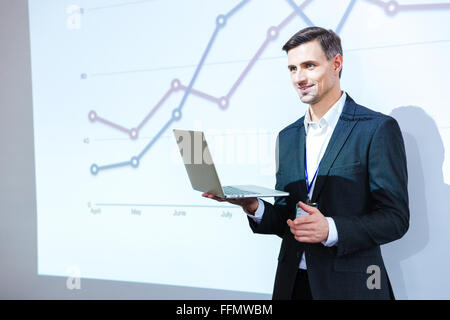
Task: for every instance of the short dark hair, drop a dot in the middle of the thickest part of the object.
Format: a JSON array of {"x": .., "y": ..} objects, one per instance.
[{"x": 329, "y": 41}]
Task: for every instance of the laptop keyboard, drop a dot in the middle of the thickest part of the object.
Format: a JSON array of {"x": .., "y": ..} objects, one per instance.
[{"x": 235, "y": 191}]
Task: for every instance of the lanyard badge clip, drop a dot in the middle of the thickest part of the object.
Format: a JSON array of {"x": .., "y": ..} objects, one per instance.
[{"x": 299, "y": 211}]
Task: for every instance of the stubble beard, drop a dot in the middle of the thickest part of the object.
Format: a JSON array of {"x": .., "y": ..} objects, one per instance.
[
  {"x": 314, "y": 97},
  {"x": 311, "y": 98}
]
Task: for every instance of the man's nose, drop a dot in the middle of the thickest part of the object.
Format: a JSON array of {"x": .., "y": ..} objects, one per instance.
[{"x": 299, "y": 77}]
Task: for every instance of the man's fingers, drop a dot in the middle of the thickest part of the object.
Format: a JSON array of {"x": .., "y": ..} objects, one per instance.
[
  {"x": 238, "y": 202},
  {"x": 301, "y": 223},
  {"x": 290, "y": 223},
  {"x": 307, "y": 208},
  {"x": 301, "y": 227},
  {"x": 211, "y": 196},
  {"x": 304, "y": 239},
  {"x": 304, "y": 227},
  {"x": 302, "y": 233},
  {"x": 219, "y": 199},
  {"x": 303, "y": 220}
]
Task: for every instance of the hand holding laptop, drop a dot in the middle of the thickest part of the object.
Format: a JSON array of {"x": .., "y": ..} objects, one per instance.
[{"x": 250, "y": 205}]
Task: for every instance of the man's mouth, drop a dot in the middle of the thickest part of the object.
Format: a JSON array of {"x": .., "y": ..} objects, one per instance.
[{"x": 304, "y": 89}]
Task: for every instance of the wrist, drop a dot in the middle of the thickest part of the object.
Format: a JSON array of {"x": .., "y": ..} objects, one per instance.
[
  {"x": 251, "y": 208},
  {"x": 332, "y": 235}
]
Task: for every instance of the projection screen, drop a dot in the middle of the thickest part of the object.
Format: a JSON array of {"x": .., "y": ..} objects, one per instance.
[{"x": 112, "y": 78}]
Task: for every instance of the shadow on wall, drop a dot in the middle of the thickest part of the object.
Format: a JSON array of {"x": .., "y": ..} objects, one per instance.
[{"x": 418, "y": 263}]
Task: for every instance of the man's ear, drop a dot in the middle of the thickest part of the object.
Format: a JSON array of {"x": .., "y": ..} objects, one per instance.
[{"x": 338, "y": 62}]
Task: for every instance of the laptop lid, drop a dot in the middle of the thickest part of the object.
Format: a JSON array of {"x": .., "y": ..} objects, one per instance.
[{"x": 198, "y": 161}]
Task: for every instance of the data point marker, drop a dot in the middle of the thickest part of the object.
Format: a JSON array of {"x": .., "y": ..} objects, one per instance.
[
  {"x": 92, "y": 116},
  {"x": 221, "y": 20},
  {"x": 391, "y": 8},
  {"x": 94, "y": 169},
  {"x": 272, "y": 33},
  {"x": 223, "y": 103},
  {"x": 176, "y": 114},
  {"x": 134, "y": 162},
  {"x": 176, "y": 84},
  {"x": 134, "y": 133}
]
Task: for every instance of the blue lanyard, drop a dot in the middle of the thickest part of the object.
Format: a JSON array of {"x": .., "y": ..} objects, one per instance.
[{"x": 308, "y": 184}]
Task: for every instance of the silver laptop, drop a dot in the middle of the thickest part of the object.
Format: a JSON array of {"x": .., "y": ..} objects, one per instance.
[{"x": 202, "y": 172}]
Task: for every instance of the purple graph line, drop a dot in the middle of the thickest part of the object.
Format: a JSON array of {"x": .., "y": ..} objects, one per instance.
[
  {"x": 300, "y": 13},
  {"x": 272, "y": 34},
  {"x": 221, "y": 21},
  {"x": 391, "y": 8}
]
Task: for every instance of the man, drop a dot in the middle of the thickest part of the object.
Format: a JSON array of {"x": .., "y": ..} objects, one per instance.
[{"x": 344, "y": 167}]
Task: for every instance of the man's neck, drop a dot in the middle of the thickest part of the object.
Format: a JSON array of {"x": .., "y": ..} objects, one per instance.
[{"x": 318, "y": 110}]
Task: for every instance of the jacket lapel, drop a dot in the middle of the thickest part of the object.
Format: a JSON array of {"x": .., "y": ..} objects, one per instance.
[
  {"x": 301, "y": 160},
  {"x": 340, "y": 134}
]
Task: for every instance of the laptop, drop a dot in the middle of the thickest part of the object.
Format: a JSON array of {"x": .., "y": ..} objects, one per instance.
[{"x": 202, "y": 172}]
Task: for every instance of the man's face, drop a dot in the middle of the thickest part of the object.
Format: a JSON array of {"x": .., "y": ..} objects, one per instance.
[{"x": 312, "y": 75}]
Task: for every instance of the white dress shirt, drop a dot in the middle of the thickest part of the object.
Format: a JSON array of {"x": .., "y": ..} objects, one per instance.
[{"x": 318, "y": 134}]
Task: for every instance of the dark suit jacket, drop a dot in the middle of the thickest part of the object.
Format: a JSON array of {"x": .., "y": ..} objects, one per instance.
[{"x": 362, "y": 185}]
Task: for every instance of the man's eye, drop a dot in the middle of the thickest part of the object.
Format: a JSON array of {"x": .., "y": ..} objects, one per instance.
[
  {"x": 309, "y": 65},
  {"x": 292, "y": 69}
]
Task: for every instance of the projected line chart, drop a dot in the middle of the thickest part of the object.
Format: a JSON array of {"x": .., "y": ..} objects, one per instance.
[
  {"x": 112, "y": 78},
  {"x": 391, "y": 8}
]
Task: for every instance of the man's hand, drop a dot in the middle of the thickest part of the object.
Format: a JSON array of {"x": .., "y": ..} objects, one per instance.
[
  {"x": 312, "y": 228},
  {"x": 248, "y": 204}
]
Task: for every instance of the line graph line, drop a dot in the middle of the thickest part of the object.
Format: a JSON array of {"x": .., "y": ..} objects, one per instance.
[
  {"x": 391, "y": 8},
  {"x": 271, "y": 35},
  {"x": 173, "y": 88},
  {"x": 236, "y": 8},
  {"x": 221, "y": 20},
  {"x": 300, "y": 13},
  {"x": 176, "y": 84},
  {"x": 429, "y": 6},
  {"x": 293, "y": 14},
  {"x": 345, "y": 16}
]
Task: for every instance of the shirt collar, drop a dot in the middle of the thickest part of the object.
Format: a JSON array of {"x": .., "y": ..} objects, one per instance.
[{"x": 331, "y": 117}]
